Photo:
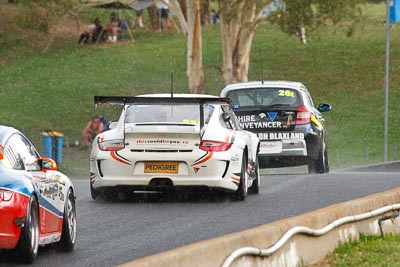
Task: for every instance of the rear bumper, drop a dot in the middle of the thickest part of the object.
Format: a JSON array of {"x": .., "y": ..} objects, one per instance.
[
  {"x": 203, "y": 169},
  {"x": 164, "y": 182},
  {"x": 287, "y": 153},
  {"x": 283, "y": 148},
  {"x": 10, "y": 211}
]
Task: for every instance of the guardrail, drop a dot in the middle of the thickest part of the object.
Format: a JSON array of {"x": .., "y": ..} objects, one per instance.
[{"x": 312, "y": 232}]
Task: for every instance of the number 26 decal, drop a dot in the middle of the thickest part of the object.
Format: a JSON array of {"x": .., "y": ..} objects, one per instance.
[{"x": 286, "y": 93}]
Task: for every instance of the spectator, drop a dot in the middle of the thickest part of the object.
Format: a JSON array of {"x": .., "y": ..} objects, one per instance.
[
  {"x": 163, "y": 8},
  {"x": 214, "y": 16},
  {"x": 93, "y": 34},
  {"x": 116, "y": 25},
  {"x": 93, "y": 128},
  {"x": 139, "y": 18},
  {"x": 112, "y": 28}
]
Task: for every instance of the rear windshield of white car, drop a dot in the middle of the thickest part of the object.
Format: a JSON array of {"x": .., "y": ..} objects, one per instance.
[
  {"x": 166, "y": 113},
  {"x": 273, "y": 97}
]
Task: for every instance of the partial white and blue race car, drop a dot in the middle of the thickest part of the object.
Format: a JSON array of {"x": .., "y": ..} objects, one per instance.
[
  {"x": 37, "y": 202},
  {"x": 168, "y": 142}
]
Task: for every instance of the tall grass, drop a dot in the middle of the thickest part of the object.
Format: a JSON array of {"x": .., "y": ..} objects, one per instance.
[{"x": 54, "y": 89}]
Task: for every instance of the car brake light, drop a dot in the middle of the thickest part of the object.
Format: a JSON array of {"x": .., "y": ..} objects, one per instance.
[
  {"x": 208, "y": 145},
  {"x": 5, "y": 195},
  {"x": 303, "y": 115},
  {"x": 112, "y": 145}
]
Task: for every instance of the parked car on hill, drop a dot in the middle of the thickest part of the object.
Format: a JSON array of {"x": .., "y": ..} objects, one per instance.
[
  {"x": 37, "y": 202},
  {"x": 163, "y": 142},
  {"x": 282, "y": 114}
]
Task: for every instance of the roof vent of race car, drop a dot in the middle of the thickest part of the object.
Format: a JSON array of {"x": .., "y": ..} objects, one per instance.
[{"x": 303, "y": 115}]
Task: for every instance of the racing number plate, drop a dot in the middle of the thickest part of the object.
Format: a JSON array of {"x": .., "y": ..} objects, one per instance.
[{"x": 161, "y": 167}]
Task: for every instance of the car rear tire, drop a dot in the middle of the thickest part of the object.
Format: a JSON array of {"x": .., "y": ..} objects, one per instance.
[
  {"x": 326, "y": 160},
  {"x": 28, "y": 245},
  {"x": 241, "y": 193},
  {"x": 255, "y": 187},
  {"x": 68, "y": 235},
  {"x": 95, "y": 193},
  {"x": 319, "y": 165}
]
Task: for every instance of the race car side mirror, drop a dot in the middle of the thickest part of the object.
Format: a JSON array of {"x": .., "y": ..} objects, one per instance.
[
  {"x": 47, "y": 164},
  {"x": 226, "y": 117},
  {"x": 323, "y": 107}
]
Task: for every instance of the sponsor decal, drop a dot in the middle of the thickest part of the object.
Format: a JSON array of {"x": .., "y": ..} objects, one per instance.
[
  {"x": 50, "y": 189},
  {"x": 271, "y": 147},
  {"x": 191, "y": 121},
  {"x": 161, "y": 142},
  {"x": 268, "y": 145},
  {"x": 1, "y": 152},
  {"x": 44, "y": 240},
  {"x": 59, "y": 179},
  {"x": 280, "y": 136},
  {"x": 251, "y": 122},
  {"x": 246, "y": 118},
  {"x": 262, "y": 116},
  {"x": 272, "y": 115},
  {"x": 235, "y": 159},
  {"x": 261, "y": 125}
]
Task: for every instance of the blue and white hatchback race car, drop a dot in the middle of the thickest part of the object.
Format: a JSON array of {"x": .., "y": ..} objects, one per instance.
[{"x": 163, "y": 142}]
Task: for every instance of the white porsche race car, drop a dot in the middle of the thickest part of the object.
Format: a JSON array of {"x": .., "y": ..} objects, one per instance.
[{"x": 166, "y": 142}]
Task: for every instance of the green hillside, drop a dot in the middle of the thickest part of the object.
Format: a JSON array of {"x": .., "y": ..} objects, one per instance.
[{"x": 54, "y": 88}]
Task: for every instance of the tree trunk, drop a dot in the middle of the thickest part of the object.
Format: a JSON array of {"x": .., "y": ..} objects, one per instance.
[
  {"x": 238, "y": 25},
  {"x": 153, "y": 17},
  {"x": 205, "y": 13},
  {"x": 177, "y": 7},
  {"x": 243, "y": 54},
  {"x": 229, "y": 33},
  {"x": 194, "y": 70},
  {"x": 247, "y": 32}
]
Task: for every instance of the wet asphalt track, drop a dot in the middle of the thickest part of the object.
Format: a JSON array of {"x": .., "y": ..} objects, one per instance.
[{"x": 111, "y": 233}]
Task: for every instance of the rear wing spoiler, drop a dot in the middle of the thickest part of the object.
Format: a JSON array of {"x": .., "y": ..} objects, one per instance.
[{"x": 126, "y": 100}]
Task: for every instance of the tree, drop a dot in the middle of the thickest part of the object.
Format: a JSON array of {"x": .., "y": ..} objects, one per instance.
[
  {"x": 296, "y": 15},
  {"x": 240, "y": 18},
  {"x": 194, "y": 70}
]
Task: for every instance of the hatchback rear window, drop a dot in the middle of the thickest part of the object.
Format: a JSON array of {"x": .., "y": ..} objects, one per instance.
[{"x": 272, "y": 97}]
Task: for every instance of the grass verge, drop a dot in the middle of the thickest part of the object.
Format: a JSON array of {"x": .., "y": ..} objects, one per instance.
[
  {"x": 368, "y": 251},
  {"x": 54, "y": 88}
]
